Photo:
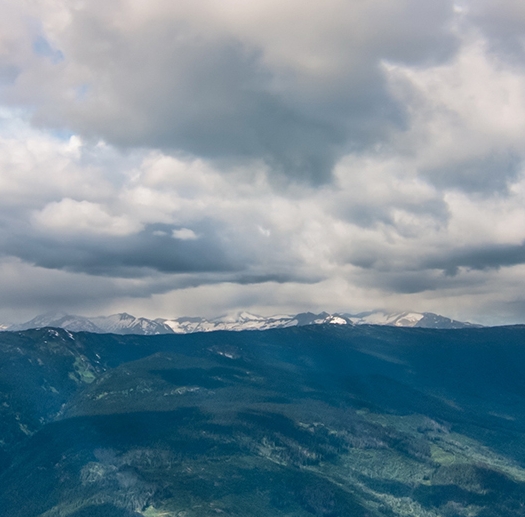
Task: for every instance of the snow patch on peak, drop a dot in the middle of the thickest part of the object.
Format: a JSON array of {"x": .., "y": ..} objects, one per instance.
[
  {"x": 337, "y": 320},
  {"x": 409, "y": 319},
  {"x": 406, "y": 319}
]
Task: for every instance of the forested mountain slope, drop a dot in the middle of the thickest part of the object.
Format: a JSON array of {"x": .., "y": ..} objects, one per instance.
[{"x": 317, "y": 420}]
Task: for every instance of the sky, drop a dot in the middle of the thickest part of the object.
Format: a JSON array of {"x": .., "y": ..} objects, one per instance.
[{"x": 277, "y": 156}]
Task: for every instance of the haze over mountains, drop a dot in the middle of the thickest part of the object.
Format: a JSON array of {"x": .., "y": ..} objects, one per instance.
[{"x": 124, "y": 323}]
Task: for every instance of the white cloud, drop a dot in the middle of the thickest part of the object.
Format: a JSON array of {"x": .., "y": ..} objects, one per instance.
[
  {"x": 184, "y": 234},
  {"x": 69, "y": 216},
  {"x": 466, "y": 118}
]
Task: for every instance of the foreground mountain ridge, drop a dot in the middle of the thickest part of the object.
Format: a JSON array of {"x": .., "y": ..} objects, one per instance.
[{"x": 124, "y": 323}]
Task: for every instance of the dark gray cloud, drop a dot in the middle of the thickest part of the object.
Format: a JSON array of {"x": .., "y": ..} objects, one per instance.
[
  {"x": 482, "y": 257},
  {"x": 182, "y": 83},
  {"x": 395, "y": 272},
  {"x": 413, "y": 281},
  {"x": 488, "y": 256},
  {"x": 129, "y": 256},
  {"x": 405, "y": 282},
  {"x": 206, "y": 98}
]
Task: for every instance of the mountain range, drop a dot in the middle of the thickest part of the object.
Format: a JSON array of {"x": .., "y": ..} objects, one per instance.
[
  {"x": 307, "y": 421},
  {"x": 124, "y": 323}
]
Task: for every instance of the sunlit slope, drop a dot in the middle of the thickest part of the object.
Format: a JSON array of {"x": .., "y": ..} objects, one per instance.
[{"x": 322, "y": 420}]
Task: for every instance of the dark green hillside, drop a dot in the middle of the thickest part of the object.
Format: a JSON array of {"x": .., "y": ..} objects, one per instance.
[{"x": 313, "y": 421}]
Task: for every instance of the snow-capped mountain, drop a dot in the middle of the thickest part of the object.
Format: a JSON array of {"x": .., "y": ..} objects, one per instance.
[
  {"x": 246, "y": 321},
  {"x": 407, "y": 319},
  {"x": 59, "y": 320},
  {"x": 116, "y": 323},
  {"x": 124, "y": 323}
]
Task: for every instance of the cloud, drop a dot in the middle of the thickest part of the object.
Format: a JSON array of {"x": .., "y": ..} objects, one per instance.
[
  {"x": 294, "y": 85},
  {"x": 70, "y": 217},
  {"x": 502, "y": 23},
  {"x": 121, "y": 254},
  {"x": 184, "y": 234},
  {"x": 281, "y": 156},
  {"x": 467, "y": 119},
  {"x": 481, "y": 257}
]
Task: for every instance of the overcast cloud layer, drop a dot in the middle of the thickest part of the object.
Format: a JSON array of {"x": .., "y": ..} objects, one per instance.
[{"x": 194, "y": 158}]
